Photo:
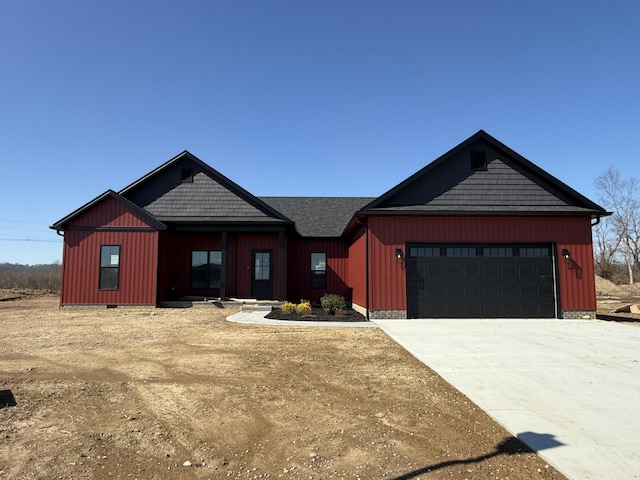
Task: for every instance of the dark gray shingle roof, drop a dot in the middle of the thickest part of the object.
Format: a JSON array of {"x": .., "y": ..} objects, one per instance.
[
  {"x": 318, "y": 216},
  {"x": 510, "y": 183},
  {"x": 208, "y": 197}
]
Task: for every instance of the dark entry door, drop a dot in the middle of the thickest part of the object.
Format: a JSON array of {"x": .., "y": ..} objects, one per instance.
[
  {"x": 262, "y": 275},
  {"x": 480, "y": 280}
]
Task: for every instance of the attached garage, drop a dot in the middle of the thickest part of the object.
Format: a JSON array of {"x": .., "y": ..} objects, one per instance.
[
  {"x": 480, "y": 280},
  {"x": 479, "y": 232}
]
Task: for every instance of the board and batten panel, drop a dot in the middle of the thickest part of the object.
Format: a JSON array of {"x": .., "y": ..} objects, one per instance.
[
  {"x": 388, "y": 276},
  {"x": 138, "y": 267},
  {"x": 299, "y": 269}
]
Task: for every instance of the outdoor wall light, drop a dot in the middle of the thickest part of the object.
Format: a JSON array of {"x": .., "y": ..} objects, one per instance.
[
  {"x": 399, "y": 254},
  {"x": 566, "y": 255}
]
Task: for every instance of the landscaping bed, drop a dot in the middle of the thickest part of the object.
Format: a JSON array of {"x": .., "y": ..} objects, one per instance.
[{"x": 317, "y": 315}]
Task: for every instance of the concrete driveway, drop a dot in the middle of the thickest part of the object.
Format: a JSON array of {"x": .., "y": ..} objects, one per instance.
[{"x": 570, "y": 389}]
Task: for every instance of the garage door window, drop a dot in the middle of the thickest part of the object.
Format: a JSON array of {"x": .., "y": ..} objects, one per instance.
[
  {"x": 497, "y": 252},
  {"x": 534, "y": 252},
  {"x": 424, "y": 252},
  {"x": 462, "y": 252}
]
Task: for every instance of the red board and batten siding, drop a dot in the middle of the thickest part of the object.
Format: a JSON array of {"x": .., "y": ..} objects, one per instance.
[
  {"x": 387, "y": 280},
  {"x": 299, "y": 269},
  {"x": 81, "y": 257},
  {"x": 244, "y": 245},
  {"x": 175, "y": 265},
  {"x": 357, "y": 273},
  {"x": 138, "y": 263}
]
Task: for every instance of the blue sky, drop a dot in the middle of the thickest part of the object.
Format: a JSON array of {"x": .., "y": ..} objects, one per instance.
[{"x": 332, "y": 98}]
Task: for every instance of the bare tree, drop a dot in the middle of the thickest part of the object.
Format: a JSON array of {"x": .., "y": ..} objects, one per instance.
[
  {"x": 622, "y": 229},
  {"x": 605, "y": 245}
]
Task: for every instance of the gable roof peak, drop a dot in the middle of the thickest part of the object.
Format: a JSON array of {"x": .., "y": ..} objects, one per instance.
[
  {"x": 454, "y": 173},
  {"x": 63, "y": 223},
  {"x": 245, "y": 196}
]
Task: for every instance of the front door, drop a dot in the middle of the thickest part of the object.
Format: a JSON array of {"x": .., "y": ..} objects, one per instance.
[{"x": 262, "y": 275}]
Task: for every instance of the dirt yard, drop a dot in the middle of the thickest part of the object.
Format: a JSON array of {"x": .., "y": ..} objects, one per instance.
[
  {"x": 184, "y": 394},
  {"x": 612, "y": 298}
]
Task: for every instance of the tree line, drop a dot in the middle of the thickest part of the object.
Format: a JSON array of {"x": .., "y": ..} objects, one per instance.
[
  {"x": 33, "y": 277},
  {"x": 616, "y": 239}
]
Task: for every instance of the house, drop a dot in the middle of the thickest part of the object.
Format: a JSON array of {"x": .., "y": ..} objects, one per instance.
[{"x": 479, "y": 232}]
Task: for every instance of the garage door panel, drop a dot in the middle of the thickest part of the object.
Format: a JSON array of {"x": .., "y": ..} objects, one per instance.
[
  {"x": 545, "y": 290},
  {"x": 491, "y": 271},
  {"x": 474, "y": 310},
  {"x": 509, "y": 272},
  {"x": 434, "y": 271},
  {"x": 544, "y": 270},
  {"x": 454, "y": 272},
  {"x": 436, "y": 290},
  {"x": 528, "y": 290},
  {"x": 511, "y": 310},
  {"x": 473, "y": 290},
  {"x": 481, "y": 280},
  {"x": 527, "y": 271},
  {"x": 508, "y": 290},
  {"x": 472, "y": 272}
]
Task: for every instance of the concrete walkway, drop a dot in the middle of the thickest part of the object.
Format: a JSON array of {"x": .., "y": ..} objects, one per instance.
[{"x": 570, "y": 389}]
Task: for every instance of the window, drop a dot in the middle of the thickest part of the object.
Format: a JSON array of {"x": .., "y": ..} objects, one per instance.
[
  {"x": 319, "y": 270},
  {"x": 205, "y": 268},
  {"x": 262, "y": 266},
  {"x": 109, "y": 267}
]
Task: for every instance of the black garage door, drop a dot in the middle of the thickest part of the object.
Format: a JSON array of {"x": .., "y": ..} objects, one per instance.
[{"x": 480, "y": 280}]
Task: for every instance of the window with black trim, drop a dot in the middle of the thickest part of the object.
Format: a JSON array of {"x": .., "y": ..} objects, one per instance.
[
  {"x": 109, "y": 278},
  {"x": 318, "y": 270},
  {"x": 205, "y": 268}
]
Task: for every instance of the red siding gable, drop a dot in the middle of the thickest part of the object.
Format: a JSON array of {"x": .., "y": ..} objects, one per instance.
[{"x": 110, "y": 213}]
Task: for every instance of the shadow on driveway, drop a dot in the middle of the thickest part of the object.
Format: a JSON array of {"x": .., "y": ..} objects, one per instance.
[{"x": 509, "y": 446}]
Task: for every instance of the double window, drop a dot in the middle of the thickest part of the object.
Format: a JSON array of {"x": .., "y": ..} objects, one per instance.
[
  {"x": 319, "y": 270},
  {"x": 109, "y": 267},
  {"x": 205, "y": 268}
]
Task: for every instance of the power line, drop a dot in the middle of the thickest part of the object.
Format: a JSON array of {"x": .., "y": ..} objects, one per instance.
[{"x": 29, "y": 240}]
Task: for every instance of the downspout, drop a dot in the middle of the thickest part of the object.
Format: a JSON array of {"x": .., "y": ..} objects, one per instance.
[
  {"x": 597, "y": 221},
  {"x": 366, "y": 263}
]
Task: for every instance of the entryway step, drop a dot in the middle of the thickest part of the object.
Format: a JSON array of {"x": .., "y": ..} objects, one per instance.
[{"x": 257, "y": 307}]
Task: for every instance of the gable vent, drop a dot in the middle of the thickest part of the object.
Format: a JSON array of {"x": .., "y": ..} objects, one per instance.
[
  {"x": 187, "y": 175},
  {"x": 478, "y": 161}
]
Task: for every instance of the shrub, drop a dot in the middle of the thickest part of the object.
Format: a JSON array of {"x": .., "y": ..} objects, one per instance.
[
  {"x": 288, "y": 307},
  {"x": 332, "y": 303},
  {"x": 304, "y": 307}
]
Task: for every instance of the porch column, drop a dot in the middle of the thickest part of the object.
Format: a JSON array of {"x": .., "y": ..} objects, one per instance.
[
  {"x": 280, "y": 265},
  {"x": 223, "y": 267}
]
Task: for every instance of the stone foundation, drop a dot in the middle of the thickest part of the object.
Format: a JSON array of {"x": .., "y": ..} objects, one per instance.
[
  {"x": 390, "y": 314},
  {"x": 579, "y": 314}
]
